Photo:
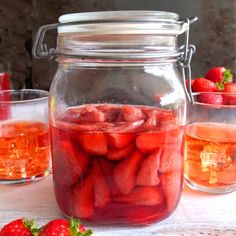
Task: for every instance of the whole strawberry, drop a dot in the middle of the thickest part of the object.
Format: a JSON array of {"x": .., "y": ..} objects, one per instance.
[
  {"x": 203, "y": 85},
  {"x": 187, "y": 85},
  {"x": 210, "y": 98},
  {"x": 230, "y": 96},
  {"x": 220, "y": 75},
  {"x": 64, "y": 227},
  {"x": 19, "y": 227}
]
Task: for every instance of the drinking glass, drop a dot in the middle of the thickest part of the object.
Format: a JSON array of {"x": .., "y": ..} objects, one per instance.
[
  {"x": 24, "y": 136},
  {"x": 210, "y": 147}
]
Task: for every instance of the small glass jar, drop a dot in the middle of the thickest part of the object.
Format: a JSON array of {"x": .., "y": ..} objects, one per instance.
[{"x": 118, "y": 114}]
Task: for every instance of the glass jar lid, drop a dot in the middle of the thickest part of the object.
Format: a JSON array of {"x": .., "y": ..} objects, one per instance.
[
  {"x": 123, "y": 22},
  {"x": 119, "y": 15},
  {"x": 134, "y": 35}
]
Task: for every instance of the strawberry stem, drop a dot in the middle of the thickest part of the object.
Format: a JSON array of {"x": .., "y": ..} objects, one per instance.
[
  {"x": 74, "y": 225},
  {"x": 227, "y": 76},
  {"x": 86, "y": 233},
  {"x": 220, "y": 86},
  {"x": 75, "y": 231},
  {"x": 31, "y": 225}
]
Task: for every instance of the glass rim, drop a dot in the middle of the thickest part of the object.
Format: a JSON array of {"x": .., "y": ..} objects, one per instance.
[
  {"x": 43, "y": 95},
  {"x": 213, "y": 92},
  {"x": 223, "y": 105}
]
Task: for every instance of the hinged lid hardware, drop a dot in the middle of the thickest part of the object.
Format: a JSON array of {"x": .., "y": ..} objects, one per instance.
[
  {"x": 185, "y": 61},
  {"x": 40, "y": 48},
  {"x": 184, "y": 54}
]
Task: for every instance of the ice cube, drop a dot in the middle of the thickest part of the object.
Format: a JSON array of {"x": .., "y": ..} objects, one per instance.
[{"x": 215, "y": 157}]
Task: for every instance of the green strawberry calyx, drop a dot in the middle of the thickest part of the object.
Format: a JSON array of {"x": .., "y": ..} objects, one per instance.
[
  {"x": 75, "y": 229},
  {"x": 220, "y": 86},
  {"x": 31, "y": 225},
  {"x": 227, "y": 76}
]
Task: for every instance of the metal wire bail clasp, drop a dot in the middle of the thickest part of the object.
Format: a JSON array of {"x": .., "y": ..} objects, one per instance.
[
  {"x": 40, "y": 49},
  {"x": 186, "y": 52}
]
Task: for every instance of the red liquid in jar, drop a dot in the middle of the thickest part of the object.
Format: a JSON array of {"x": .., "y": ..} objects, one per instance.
[{"x": 117, "y": 164}]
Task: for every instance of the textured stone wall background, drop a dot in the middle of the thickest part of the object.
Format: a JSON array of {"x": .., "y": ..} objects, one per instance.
[
  {"x": 214, "y": 34},
  {"x": 48, "y": 11},
  {"x": 16, "y": 39}
]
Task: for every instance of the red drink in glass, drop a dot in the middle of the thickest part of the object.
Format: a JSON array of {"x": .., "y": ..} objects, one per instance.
[
  {"x": 24, "y": 150},
  {"x": 210, "y": 160},
  {"x": 117, "y": 163}
]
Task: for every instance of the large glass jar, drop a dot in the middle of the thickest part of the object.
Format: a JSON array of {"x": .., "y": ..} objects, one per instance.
[{"x": 117, "y": 115}]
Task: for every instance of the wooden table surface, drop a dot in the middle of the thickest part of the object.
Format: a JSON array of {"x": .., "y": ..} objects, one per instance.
[{"x": 197, "y": 213}]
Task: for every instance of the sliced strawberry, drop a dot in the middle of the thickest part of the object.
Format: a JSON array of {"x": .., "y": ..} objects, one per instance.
[
  {"x": 167, "y": 118},
  {"x": 93, "y": 143},
  {"x": 157, "y": 118},
  {"x": 88, "y": 114},
  {"x": 203, "y": 85},
  {"x": 172, "y": 186},
  {"x": 84, "y": 127},
  {"x": 68, "y": 162},
  {"x": 125, "y": 172},
  {"x": 91, "y": 114},
  {"x": 148, "y": 142},
  {"x": 71, "y": 115},
  {"x": 111, "y": 113},
  {"x": 171, "y": 161},
  {"x": 92, "y": 117},
  {"x": 101, "y": 189},
  {"x": 131, "y": 113},
  {"x": 160, "y": 114},
  {"x": 210, "y": 98},
  {"x": 119, "y": 140},
  {"x": 118, "y": 154},
  {"x": 168, "y": 135},
  {"x": 124, "y": 127},
  {"x": 107, "y": 169},
  {"x": 142, "y": 196},
  {"x": 151, "y": 122},
  {"x": 148, "y": 173},
  {"x": 84, "y": 197}
]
